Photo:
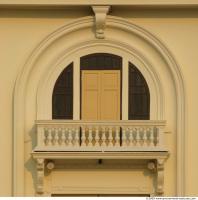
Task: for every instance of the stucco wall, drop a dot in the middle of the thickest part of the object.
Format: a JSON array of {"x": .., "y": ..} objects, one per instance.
[{"x": 22, "y": 30}]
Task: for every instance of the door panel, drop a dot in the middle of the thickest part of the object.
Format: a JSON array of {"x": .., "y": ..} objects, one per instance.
[
  {"x": 110, "y": 104},
  {"x": 90, "y": 95},
  {"x": 110, "y": 98},
  {"x": 100, "y": 95}
]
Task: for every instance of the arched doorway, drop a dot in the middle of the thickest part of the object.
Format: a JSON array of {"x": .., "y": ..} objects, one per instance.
[{"x": 33, "y": 97}]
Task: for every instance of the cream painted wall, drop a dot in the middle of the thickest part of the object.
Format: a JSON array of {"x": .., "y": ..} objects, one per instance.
[
  {"x": 21, "y": 31},
  {"x": 178, "y": 31}
]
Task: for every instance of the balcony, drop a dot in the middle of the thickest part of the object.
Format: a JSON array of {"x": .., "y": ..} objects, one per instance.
[
  {"x": 99, "y": 136},
  {"x": 64, "y": 139}
]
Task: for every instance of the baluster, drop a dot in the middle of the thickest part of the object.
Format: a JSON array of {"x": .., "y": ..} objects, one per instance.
[
  {"x": 63, "y": 137},
  {"x": 152, "y": 138},
  {"x": 97, "y": 138},
  {"x": 103, "y": 137},
  {"x": 90, "y": 137},
  {"x": 49, "y": 137},
  {"x": 156, "y": 136},
  {"x": 73, "y": 136},
  {"x": 144, "y": 138},
  {"x": 117, "y": 136},
  {"x": 45, "y": 136},
  {"x": 66, "y": 136},
  {"x": 70, "y": 137},
  {"x": 127, "y": 133},
  {"x": 160, "y": 137},
  {"x": 130, "y": 136},
  {"x": 110, "y": 136},
  {"x": 76, "y": 137},
  {"x": 83, "y": 142},
  {"x": 138, "y": 137},
  {"x": 148, "y": 134},
  {"x": 124, "y": 137},
  {"x": 56, "y": 136},
  {"x": 134, "y": 135},
  {"x": 141, "y": 132}
]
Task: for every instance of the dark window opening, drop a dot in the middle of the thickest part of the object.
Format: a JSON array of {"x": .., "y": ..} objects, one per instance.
[
  {"x": 139, "y": 96},
  {"x": 101, "y": 61},
  {"x": 62, "y": 99}
]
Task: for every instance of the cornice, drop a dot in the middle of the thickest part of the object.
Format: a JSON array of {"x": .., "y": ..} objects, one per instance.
[{"x": 66, "y": 3}]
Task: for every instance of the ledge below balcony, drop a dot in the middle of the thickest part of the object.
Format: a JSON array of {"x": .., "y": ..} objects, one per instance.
[{"x": 101, "y": 155}]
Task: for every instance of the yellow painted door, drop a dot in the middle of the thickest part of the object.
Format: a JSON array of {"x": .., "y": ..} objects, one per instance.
[{"x": 100, "y": 95}]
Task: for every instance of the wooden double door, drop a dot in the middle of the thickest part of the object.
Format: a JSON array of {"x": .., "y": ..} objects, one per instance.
[{"x": 100, "y": 94}]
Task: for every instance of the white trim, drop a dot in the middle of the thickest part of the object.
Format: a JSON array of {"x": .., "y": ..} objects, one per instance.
[
  {"x": 125, "y": 84},
  {"x": 142, "y": 3},
  {"x": 116, "y": 23},
  {"x": 101, "y": 155},
  {"x": 76, "y": 88}
]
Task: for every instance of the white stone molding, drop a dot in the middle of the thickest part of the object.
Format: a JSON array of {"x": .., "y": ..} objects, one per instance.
[
  {"x": 76, "y": 93},
  {"x": 40, "y": 176},
  {"x": 100, "y": 20},
  {"x": 17, "y": 4},
  {"x": 37, "y": 71},
  {"x": 158, "y": 155},
  {"x": 125, "y": 79}
]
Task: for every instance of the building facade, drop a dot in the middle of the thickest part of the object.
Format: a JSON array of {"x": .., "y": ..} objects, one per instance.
[{"x": 98, "y": 99}]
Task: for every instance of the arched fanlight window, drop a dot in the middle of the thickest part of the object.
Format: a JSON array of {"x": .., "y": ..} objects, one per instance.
[
  {"x": 101, "y": 61},
  {"x": 62, "y": 99},
  {"x": 139, "y": 96}
]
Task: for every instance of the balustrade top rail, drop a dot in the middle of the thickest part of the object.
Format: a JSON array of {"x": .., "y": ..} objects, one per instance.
[
  {"x": 71, "y": 135},
  {"x": 160, "y": 123}
]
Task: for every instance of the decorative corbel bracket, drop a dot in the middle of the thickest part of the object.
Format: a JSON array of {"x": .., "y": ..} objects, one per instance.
[
  {"x": 160, "y": 177},
  {"x": 158, "y": 168},
  {"x": 41, "y": 164},
  {"x": 100, "y": 20},
  {"x": 40, "y": 176}
]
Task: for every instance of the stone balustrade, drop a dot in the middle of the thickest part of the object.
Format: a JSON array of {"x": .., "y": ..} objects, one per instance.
[{"x": 66, "y": 135}]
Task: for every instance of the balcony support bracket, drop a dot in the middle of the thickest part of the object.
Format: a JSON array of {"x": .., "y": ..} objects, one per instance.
[
  {"x": 40, "y": 176},
  {"x": 160, "y": 177},
  {"x": 155, "y": 163}
]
